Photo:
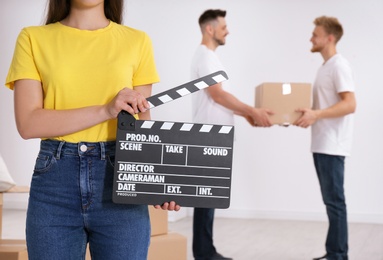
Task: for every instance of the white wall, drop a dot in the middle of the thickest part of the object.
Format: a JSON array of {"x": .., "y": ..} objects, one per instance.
[{"x": 273, "y": 174}]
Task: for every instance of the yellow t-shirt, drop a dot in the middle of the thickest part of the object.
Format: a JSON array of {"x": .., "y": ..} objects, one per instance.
[{"x": 80, "y": 68}]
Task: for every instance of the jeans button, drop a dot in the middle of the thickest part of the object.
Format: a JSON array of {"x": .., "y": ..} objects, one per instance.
[{"x": 83, "y": 148}]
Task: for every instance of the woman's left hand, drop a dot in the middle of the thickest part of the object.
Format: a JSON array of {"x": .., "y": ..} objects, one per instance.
[{"x": 169, "y": 206}]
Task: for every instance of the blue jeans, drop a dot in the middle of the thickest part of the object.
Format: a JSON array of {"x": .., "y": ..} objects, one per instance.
[
  {"x": 71, "y": 205},
  {"x": 203, "y": 247},
  {"x": 330, "y": 171}
]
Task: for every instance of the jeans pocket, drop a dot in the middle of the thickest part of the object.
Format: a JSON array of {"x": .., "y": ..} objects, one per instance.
[{"x": 43, "y": 163}]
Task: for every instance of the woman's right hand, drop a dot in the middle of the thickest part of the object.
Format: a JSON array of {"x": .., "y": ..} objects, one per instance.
[{"x": 129, "y": 100}]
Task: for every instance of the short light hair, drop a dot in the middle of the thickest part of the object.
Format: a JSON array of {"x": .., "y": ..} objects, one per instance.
[{"x": 331, "y": 25}]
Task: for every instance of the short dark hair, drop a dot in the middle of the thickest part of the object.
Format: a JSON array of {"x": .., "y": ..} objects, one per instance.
[
  {"x": 210, "y": 15},
  {"x": 331, "y": 25}
]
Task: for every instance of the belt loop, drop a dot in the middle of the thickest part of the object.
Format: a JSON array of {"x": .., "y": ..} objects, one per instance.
[
  {"x": 102, "y": 146},
  {"x": 58, "y": 152}
]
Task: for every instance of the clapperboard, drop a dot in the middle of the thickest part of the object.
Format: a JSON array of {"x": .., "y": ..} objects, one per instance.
[{"x": 188, "y": 163}]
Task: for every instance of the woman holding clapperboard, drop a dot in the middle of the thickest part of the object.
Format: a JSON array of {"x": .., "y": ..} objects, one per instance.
[{"x": 71, "y": 78}]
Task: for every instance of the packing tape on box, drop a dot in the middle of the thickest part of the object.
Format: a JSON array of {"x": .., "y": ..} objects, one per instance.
[{"x": 286, "y": 89}]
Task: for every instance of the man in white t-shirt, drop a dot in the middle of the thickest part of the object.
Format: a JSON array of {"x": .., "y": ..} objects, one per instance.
[
  {"x": 215, "y": 105},
  {"x": 331, "y": 119}
]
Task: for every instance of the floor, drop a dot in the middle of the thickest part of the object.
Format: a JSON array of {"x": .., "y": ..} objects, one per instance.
[{"x": 254, "y": 239}]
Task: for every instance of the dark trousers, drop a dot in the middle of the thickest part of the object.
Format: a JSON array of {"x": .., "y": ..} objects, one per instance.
[
  {"x": 203, "y": 233},
  {"x": 330, "y": 171}
]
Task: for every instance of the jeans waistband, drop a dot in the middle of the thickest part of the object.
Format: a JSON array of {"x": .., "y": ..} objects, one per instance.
[{"x": 59, "y": 148}]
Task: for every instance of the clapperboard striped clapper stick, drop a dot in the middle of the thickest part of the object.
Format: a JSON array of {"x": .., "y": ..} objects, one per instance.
[{"x": 158, "y": 161}]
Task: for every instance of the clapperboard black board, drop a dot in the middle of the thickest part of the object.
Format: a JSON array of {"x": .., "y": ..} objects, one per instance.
[{"x": 158, "y": 162}]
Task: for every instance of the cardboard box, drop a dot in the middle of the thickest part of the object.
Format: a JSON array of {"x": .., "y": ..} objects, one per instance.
[
  {"x": 15, "y": 189},
  {"x": 171, "y": 246},
  {"x": 13, "y": 250},
  {"x": 283, "y": 99},
  {"x": 158, "y": 221}
]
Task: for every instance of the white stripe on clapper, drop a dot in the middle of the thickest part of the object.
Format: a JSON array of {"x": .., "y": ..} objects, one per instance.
[
  {"x": 225, "y": 129},
  {"x": 167, "y": 126},
  {"x": 165, "y": 98},
  {"x": 201, "y": 85},
  {"x": 186, "y": 127},
  {"x": 147, "y": 124},
  {"x": 219, "y": 78},
  {"x": 183, "y": 91},
  {"x": 206, "y": 128}
]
